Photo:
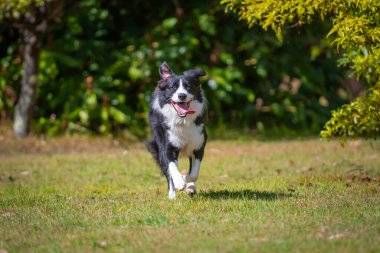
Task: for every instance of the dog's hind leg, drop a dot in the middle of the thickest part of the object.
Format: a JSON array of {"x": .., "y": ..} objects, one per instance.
[{"x": 152, "y": 147}]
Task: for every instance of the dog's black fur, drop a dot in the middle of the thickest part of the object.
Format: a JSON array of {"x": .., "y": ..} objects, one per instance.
[{"x": 169, "y": 128}]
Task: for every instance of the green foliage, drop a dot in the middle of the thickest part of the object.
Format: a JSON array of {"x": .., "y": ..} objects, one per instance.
[
  {"x": 100, "y": 64},
  {"x": 10, "y": 76},
  {"x": 16, "y": 9},
  {"x": 360, "y": 117},
  {"x": 356, "y": 29}
]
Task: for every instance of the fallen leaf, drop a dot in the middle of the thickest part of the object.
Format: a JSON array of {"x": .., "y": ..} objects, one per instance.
[
  {"x": 224, "y": 176},
  {"x": 260, "y": 239},
  {"x": 336, "y": 236},
  {"x": 7, "y": 214},
  {"x": 305, "y": 169}
]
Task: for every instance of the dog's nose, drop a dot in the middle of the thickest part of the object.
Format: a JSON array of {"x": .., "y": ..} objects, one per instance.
[{"x": 182, "y": 96}]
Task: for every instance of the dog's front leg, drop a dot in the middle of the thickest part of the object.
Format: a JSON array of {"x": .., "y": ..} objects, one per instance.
[
  {"x": 171, "y": 193},
  {"x": 194, "y": 173},
  {"x": 176, "y": 177},
  {"x": 168, "y": 162},
  {"x": 195, "y": 166},
  {"x": 192, "y": 177},
  {"x": 190, "y": 186}
]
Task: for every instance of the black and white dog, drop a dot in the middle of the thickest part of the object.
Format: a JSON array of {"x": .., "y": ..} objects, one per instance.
[{"x": 177, "y": 116}]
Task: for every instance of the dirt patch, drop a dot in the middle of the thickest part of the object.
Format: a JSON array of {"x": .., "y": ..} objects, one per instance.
[{"x": 63, "y": 144}]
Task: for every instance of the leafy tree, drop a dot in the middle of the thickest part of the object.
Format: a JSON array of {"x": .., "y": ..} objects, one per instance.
[
  {"x": 98, "y": 67},
  {"x": 32, "y": 17},
  {"x": 355, "y": 29}
]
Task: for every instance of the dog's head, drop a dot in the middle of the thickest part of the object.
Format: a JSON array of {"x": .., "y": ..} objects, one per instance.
[{"x": 180, "y": 90}]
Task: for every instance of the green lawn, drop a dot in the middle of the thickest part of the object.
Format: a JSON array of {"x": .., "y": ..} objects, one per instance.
[{"x": 85, "y": 195}]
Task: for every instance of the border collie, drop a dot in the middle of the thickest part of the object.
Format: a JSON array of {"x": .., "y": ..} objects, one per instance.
[{"x": 177, "y": 116}]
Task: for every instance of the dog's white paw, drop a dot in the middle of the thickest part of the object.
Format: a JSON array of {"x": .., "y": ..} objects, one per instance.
[
  {"x": 179, "y": 182},
  {"x": 171, "y": 194},
  {"x": 191, "y": 189}
]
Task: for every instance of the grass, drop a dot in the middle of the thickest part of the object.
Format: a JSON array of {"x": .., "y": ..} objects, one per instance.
[{"x": 83, "y": 195}]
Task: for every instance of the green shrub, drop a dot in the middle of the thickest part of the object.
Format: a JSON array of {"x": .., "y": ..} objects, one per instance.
[{"x": 355, "y": 29}]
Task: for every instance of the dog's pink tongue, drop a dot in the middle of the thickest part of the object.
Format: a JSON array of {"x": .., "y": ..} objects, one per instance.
[{"x": 183, "y": 109}]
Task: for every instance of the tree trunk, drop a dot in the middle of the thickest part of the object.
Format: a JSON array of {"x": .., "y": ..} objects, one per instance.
[{"x": 25, "y": 105}]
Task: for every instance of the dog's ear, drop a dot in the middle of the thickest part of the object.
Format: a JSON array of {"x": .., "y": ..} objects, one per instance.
[
  {"x": 165, "y": 71},
  {"x": 194, "y": 73}
]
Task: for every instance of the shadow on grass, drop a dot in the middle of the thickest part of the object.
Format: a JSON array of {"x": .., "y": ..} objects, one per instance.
[{"x": 245, "y": 194}]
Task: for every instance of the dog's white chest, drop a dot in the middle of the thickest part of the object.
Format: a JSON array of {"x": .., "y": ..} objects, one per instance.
[
  {"x": 187, "y": 138},
  {"x": 183, "y": 133}
]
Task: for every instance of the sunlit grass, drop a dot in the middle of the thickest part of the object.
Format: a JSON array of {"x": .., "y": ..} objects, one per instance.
[{"x": 84, "y": 195}]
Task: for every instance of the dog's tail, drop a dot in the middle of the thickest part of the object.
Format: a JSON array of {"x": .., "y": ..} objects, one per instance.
[{"x": 153, "y": 149}]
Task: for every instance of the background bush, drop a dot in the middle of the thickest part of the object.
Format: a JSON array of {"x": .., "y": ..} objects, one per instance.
[
  {"x": 99, "y": 65},
  {"x": 355, "y": 31}
]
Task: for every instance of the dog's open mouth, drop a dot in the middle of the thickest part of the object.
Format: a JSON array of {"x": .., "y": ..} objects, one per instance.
[{"x": 182, "y": 108}]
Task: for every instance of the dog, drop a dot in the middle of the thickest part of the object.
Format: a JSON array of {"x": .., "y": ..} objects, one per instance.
[{"x": 177, "y": 117}]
